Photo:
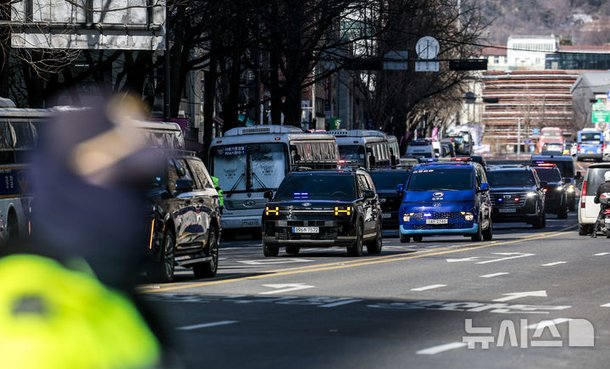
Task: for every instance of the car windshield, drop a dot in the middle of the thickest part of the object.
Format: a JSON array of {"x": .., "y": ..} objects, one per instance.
[
  {"x": 591, "y": 136},
  {"x": 548, "y": 174},
  {"x": 317, "y": 187},
  {"x": 510, "y": 178},
  {"x": 566, "y": 167},
  {"x": 432, "y": 179},
  {"x": 389, "y": 180}
]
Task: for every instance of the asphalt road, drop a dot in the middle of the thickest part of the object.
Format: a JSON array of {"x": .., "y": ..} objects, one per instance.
[{"x": 407, "y": 308}]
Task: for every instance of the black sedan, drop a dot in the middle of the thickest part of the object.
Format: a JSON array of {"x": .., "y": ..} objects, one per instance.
[
  {"x": 322, "y": 209},
  {"x": 555, "y": 193}
]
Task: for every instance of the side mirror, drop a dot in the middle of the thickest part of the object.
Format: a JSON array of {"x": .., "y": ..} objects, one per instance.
[
  {"x": 400, "y": 188},
  {"x": 578, "y": 175},
  {"x": 268, "y": 194},
  {"x": 484, "y": 187},
  {"x": 184, "y": 185},
  {"x": 368, "y": 194}
]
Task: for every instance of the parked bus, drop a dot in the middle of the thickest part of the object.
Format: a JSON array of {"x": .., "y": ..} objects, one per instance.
[
  {"x": 18, "y": 137},
  {"x": 368, "y": 149},
  {"x": 249, "y": 161},
  {"x": 590, "y": 143}
]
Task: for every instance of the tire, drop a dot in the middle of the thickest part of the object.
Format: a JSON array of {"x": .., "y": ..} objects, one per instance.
[
  {"x": 488, "y": 234},
  {"x": 293, "y": 250},
  {"x": 478, "y": 237},
  {"x": 404, "y": 239},
  {"x": 374, "y": 247},
  {"x": 583, "y": 230},
  {"x": 356, "y": 248},
  {"x": 209, "y": 268},
  {"x": 418, "y": 238},
  {"x": 270, "y": 251},
  {"x": 163, "y": 271}
]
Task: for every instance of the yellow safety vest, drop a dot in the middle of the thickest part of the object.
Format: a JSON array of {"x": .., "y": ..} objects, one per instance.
[{"x": 52, "y": 317}]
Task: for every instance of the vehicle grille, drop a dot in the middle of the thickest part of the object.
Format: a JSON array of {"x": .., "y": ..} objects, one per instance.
[{"x": 507, "y": 200}]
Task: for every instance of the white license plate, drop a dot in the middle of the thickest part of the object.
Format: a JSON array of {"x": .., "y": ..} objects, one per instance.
[
  {"x": 508, "y": 210},
  {"x": 437, "y": 221},
  {"x": 305, "y": 230},
  {"x": 386, "y": 216}
]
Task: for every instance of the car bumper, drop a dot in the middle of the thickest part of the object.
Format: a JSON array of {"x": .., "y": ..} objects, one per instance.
[
  {"x": 339, "y": 241},
  {"x": 407, "y": 231},
  {"x": 589, "y": 156},
  {"x": 330, "y": 233},
  {"x": 241, "y": 222}
]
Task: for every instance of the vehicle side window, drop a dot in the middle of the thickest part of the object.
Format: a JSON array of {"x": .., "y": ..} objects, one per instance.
[
  {"x": 477, "y": 173},
  {"x": 200, "y": 173},
  {"x": 370, "y": 183},
  {"x": 362, "y": 183},
  {"x": 185, "y": 172},
  {"x": 172, "y": 175}
]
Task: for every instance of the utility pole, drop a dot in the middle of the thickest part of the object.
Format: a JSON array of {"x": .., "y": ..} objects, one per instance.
[{"x": 519, "y": 137}]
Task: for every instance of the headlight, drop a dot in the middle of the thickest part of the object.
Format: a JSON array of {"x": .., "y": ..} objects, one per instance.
[
  {"x": 570, "y": 189},
  {"x": 559, "y": 189},
  {"x": 531, "y": 195},
  {"x": 272, "y": 211},
  {"x": 468, "y": 216},
  {"x": 406, "y": 217},
  {"x": 347, "y": 210}
]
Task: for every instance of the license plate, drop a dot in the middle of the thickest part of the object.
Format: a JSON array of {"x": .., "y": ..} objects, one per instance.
[
  {"x": 507, "y": 210},
  {"x": 437, "y": 221},
  {"x": 305, "y": 230},
  {"x": 386, "y": 216},
  {"x": 250, "y": 223}
]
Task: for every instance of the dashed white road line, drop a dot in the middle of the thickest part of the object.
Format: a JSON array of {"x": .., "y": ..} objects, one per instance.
[
  {"x": 206, "y": 325},
  {"x": 431, "y": 287},
  {"x": 554, "y": 263},
  {"x": 602, "y": 254},
  {"x": 548, "y": 323},
  {"x": 605, "y": 305},
  {"x": 441, "y": 348},
  {"x": 339, "y": 303},
  {"x": 493, "y": 275}
]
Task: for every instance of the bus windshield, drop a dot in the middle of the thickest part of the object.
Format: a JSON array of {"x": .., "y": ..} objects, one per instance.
[
  {"x": 249, "y": 167},
  {"x": 352, "y": 154},
  {"x": 591, "y": 136}
]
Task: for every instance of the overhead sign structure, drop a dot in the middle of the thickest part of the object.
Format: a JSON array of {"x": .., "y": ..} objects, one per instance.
[
  {"x": 427, "y": 49},
  {"x": 396, "y": 60},
  {"x": 90, "y": 24},
  {"x": 468, "y": 64}
]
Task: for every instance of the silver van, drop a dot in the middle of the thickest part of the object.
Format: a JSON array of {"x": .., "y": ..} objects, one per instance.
[{"x": 587, "y": 209}]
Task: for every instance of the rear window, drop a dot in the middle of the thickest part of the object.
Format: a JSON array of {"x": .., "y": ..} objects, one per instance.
[
  {"x": 566, "y": 167},
  {"x": 510, "y": 178},
  {"x": 389, "y": 180},
  {"x": 595, "y": 177},
  {"x": 433, "y": 179},
  {"x": 548, "y": 174},
  {"x": 591, "y": 136}
]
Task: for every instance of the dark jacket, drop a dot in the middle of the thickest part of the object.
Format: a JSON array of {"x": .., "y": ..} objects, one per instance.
[{"x": 604, "y": 187}]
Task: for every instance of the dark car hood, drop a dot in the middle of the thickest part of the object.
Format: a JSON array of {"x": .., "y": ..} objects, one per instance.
[
  {"x": 388, "y": 193},
  {"x": 439, "y": 196}
]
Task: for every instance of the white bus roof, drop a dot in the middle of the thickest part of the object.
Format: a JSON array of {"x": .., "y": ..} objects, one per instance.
[
  {"x": 359, "y": 140},
  {"x": 169, "y": 126},
  {"x": 269, "y": 138},
  {"x": 356, "y": 133},
  {"x": 268, "y": 129}
]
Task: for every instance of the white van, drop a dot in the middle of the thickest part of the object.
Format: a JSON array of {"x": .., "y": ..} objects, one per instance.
[
  {"x": 587, "y": 209},
  {"x": 424, "y": 148}
]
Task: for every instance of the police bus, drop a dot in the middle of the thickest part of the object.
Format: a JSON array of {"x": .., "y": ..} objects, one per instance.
[
  {"x": 249, "y": 161},
  {"x": 367, "y": 149}
]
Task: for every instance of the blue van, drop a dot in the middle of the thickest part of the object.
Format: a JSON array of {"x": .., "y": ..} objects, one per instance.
[{"x": 446, "y": 198}]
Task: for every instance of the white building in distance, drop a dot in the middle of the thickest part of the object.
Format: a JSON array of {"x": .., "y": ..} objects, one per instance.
[{"x": 529, "y": 52}]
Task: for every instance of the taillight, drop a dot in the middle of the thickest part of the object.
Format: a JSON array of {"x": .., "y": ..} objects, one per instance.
[{"x": 583, "y": 193}]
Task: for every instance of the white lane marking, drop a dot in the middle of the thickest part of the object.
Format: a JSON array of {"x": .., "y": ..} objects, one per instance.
[
  {"x": 494, "y": 275},
  {"x": 462, "y": 259},
  {"x": 275, "y": 261},
  {"x": 431, "y": 287},
  {"x": 548, "y": 323},
  {"x": 605, "y": 305},
  {"x": 602, "y": 254},
  {"x": 517, "y": 295},
  {"x": 339, "y": 303},
  {"x": 441, "y": 348},
  {"x": 516, "y": 255},
  {"x": 206, "y": 325},
  {"x": 285, "y": 287},
  {"x": 554, "y": 263}
]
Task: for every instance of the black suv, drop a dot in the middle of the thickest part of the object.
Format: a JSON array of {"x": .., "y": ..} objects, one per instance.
[
  {"x": 386, "y": 181},
  {"x": 323, "y": 208},
  {"x": 565, "y": 163},
  {"x": 184, "y": 218},
  {"x": 517, "y": 195},
  {"x": 556, "y": 198}
]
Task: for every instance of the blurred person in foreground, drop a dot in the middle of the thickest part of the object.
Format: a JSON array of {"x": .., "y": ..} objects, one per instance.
[{"x": 67, "y": 298}]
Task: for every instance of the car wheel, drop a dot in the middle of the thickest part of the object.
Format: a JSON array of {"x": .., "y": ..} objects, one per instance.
[
  {"x": 269, "y": 250},
  {"x": 293, "y": 250},
  {"x": 209, "y": 268},
  {"x": 163, "y": 271},
  {"x": 477, "y": 237},
  {"x": 405, "y": 238},
  {"x": 374, "y": 247},
  {"x": 583, "y": 230},
  {"x": 418, "y": 238},
  {"x": 488, "y": 234},
  {"x": 356, "y": 248}
]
